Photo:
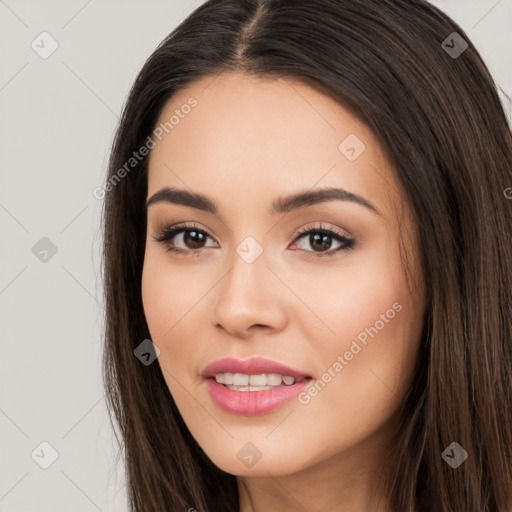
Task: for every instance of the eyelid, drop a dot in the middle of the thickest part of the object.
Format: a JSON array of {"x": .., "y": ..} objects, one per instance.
[
  {"x": 322, "y": 227},
  {"x": 169, "y": 232},
  {"x": 347, "y": 241},
  {"x": 164, "y": 229},
  {"x": 163, "y": 226}
]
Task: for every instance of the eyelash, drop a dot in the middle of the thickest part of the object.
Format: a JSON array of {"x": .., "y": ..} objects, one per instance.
[{"x": 168, "y": 233}]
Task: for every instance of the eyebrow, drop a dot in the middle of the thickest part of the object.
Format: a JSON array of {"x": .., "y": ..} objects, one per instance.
[{"x": 279, "y": 205}]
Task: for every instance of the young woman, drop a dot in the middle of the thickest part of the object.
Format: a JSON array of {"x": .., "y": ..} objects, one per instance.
[{"x": 307, "y": 265}]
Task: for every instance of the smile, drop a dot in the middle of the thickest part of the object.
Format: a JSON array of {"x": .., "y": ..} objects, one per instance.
[
  {"x": 253, "y": 386},
  {"x": 244, "y": 382}
]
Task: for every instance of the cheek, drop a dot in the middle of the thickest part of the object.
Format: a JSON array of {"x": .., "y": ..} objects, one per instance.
[
  {"x": 172, "y": 302},
  {"x": 366, "y": 369},
  {"x": 375, "y": 330},
  {"x": 170, "y": 299},
  {"x": 157, "y": 299},
  {"x": 350, "y": 296},
  {"x": 163, "y": 306},
  {"x": 168, "y": 294}
]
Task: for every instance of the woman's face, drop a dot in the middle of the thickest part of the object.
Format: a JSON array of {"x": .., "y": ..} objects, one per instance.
[{"x": 333, "y": 307}]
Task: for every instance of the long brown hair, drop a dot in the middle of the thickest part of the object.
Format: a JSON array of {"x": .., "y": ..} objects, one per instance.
[{"x": 434, "y": 106}]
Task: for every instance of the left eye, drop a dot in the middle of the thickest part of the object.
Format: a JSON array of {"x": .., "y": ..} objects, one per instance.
[
  {"x": 322, "y": 238},
  {"x": 194, "y": 239}
]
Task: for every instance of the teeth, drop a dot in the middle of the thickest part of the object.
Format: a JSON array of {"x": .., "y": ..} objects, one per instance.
[
  {"x": 274, "y": 379},
  {"x": 264, "y": 380},
  {"x": 239, "y": 379},
  {"x": 249, "y": 388},
  {"x": 257, "y": 380}
]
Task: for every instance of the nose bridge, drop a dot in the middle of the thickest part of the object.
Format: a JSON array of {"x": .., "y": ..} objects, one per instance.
[
  {"x": 246, "y": 297},
  {"x": 248, "y": 264}
]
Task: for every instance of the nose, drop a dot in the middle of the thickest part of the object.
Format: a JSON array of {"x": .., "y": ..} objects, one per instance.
[{"x": 250, "y": 299}]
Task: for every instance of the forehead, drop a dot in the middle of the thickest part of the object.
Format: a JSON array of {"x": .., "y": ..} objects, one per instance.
[{"x": 247, "y": 136}]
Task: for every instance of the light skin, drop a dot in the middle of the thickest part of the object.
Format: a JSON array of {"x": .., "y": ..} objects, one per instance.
[{"x": 248, "y": 142}]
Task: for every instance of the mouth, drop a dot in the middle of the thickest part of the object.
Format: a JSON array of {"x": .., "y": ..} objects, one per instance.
[
  {"x": 252, "y": 386},
  {"x": 259, "y": 382},
  {"x": 253, "y": 367}
]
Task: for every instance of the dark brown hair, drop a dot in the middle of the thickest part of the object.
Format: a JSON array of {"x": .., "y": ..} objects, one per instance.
[{"x": 439, "y": 117}]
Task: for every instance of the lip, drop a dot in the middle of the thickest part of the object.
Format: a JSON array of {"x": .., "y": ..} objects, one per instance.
[
  {"x": 252, "y": 402},
  {"x": 252, "y": 366}
]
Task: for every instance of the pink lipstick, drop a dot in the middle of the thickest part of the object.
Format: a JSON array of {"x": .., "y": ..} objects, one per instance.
[{"x": 252, "y": 386}]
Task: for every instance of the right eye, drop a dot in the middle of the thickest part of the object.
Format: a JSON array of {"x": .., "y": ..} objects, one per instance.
[{"x": 189, "y": 235}]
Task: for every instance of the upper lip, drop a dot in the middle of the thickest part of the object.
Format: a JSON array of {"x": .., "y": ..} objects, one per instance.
[{"x": 252, "y": 366}]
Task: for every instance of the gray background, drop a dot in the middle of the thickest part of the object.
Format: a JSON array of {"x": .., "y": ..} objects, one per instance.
[{"x": 58, "y": 115}]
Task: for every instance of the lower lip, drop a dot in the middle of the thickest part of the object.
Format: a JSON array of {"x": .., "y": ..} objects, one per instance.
[{"x": 253, "y": 402}]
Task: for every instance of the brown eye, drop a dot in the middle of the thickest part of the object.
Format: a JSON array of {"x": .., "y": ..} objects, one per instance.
[
  {"x": 184, "y": 238},
  {"x": 321, "y": 239},
  {"x": 189, "y": 237},
  {"x": 193, "y": 239}
]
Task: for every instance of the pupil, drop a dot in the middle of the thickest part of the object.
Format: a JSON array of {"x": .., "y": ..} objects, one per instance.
[
  {"x": 325, "y": 241},
  {"x": 190, "y": 235},
  {"x": 321, "y": 241}
]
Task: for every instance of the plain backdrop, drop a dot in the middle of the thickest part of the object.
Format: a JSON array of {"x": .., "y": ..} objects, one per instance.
[{"x": 57, "y": 119}]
